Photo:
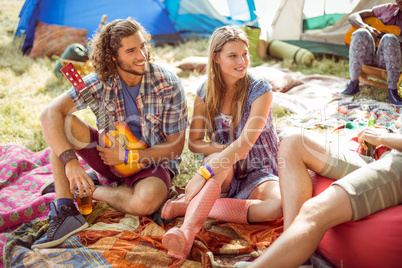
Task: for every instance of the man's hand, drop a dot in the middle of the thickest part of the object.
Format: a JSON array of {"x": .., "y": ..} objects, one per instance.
[
  {"x": 375, "y": 33},
  {"x": 113, "y": 155},
  {"x": 370, "y": 135},
  {"x": 77, "y": 176}
]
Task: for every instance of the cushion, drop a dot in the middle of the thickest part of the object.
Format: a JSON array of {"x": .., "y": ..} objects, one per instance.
[
  {"x": 51, "y": 39},
  {"x": 193, "y": 63},
  {"x": 280, "y": 81},
  {"x": 375, "y": 241}
]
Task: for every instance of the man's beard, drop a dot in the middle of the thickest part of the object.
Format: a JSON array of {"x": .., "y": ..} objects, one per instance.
[{"x": 126, "y": 68}]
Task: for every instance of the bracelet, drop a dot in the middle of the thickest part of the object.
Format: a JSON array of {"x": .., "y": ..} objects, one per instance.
[
  {"x": 67, "y": 156},
  {"x": 125, "y": 157},
  {"x": 204, "y": 171},
  {"x": 210, "y": 170},
  {"x": 132, "y": 156},
  {"x": 201, "y": 175}
]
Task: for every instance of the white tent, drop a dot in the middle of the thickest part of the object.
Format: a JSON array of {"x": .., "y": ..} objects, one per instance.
[
  {"x": 284, "y": 21},
  {"x": 287, "y": 22},
  {"x": 335, "y": 34}
]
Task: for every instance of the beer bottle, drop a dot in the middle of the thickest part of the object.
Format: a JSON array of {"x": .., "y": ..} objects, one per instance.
[{"x": 370, "y": 147}]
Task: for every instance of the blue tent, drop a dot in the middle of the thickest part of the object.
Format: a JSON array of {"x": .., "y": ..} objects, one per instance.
[
  {"x": 87, "y": 15},
  {"x": 201, "y": 17}
]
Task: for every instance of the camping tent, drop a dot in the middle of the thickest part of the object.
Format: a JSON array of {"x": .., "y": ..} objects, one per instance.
[
  {"x": 328, "y": 40},
  {"x": 201, "y": 17},
  {"x": 333, "y": 34},
  {"x": 87, "y": 15},
  {"x": 288, "y": 20},
  {"x": 287, "y": 16}
]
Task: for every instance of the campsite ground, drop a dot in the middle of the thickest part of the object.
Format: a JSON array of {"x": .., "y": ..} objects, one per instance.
[{"x": 28, "y": 85}]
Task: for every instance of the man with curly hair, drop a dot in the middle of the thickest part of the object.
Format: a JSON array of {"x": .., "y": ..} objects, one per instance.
[{"x": 127, "y": 87}]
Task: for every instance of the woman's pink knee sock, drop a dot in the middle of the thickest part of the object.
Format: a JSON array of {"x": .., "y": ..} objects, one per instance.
[
  {"x": 224, "y": 209},
  {"x": 180, "y": 240},
  {"x": 230, "y": 210},
  {"x": 174, "y": 208}
]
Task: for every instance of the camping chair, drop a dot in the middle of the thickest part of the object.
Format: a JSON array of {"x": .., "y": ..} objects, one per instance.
[{"x": 375, "y": 76}]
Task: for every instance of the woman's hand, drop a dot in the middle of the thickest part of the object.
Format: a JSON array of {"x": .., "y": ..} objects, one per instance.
[{"x": 194, "y": 186}]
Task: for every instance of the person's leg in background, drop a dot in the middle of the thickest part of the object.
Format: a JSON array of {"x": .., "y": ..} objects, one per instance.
[
  {"x": 389, "y": 57},
  {"x": 361, "y": 51}
]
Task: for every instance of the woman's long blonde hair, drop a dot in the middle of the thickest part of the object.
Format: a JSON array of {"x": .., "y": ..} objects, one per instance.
[
  {"x": 216, "y": 87},
  {"x": 105, "y": 44}
]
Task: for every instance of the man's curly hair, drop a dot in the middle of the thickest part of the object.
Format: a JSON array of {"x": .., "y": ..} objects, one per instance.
[{"x": 105, "y": 44}]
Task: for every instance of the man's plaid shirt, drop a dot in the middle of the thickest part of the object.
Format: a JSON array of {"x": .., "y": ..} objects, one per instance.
[{"x": 161, "y": 102}]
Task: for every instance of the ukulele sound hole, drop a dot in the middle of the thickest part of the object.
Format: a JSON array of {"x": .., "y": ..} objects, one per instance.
[{"x": 122, "y": 140}]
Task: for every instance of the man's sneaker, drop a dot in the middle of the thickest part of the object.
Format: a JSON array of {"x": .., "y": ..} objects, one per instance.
[
  {"x": 48, "y": 187},
  {"x": 62, "y": 225},
  {"x": 394, "y": 97},
  {"x": 352, "y": 88}
]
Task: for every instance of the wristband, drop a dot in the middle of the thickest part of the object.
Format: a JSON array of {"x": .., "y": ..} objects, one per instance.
[
  {"x": 132, "y": 156},
  {"x": 210, "y": 170},
  {"x": 201, "y": 175},
  {"x": 204, "y": 172},
  {"x": 125, "y": 157},
  {"x": 67, "y": 156}
]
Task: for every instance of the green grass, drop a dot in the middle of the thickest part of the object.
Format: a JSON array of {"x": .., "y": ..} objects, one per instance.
[{"x": 27, "y": 86}]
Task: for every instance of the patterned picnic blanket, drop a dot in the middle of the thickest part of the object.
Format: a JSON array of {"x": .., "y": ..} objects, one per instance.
[
  {"x": 114, "y": 239},
  {"x": 22, "y": 173},
  {"x": 349, "y": 117}
]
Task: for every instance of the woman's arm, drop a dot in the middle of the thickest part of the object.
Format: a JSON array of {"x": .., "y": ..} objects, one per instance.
[
  {"x": 240, "y": 147},
  {"x": 199, "y": 125}
]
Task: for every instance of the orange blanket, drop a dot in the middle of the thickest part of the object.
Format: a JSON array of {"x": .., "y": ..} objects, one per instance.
[{"x": 115, "y": 239}]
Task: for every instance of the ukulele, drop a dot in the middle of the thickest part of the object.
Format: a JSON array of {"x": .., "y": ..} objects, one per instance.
[
  {"x": 119, "y": 130},
  {"x": 375, "y": 23}
]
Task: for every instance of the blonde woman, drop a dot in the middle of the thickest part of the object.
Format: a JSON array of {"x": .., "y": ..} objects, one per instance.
[{"x": 232, "y": 121}]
